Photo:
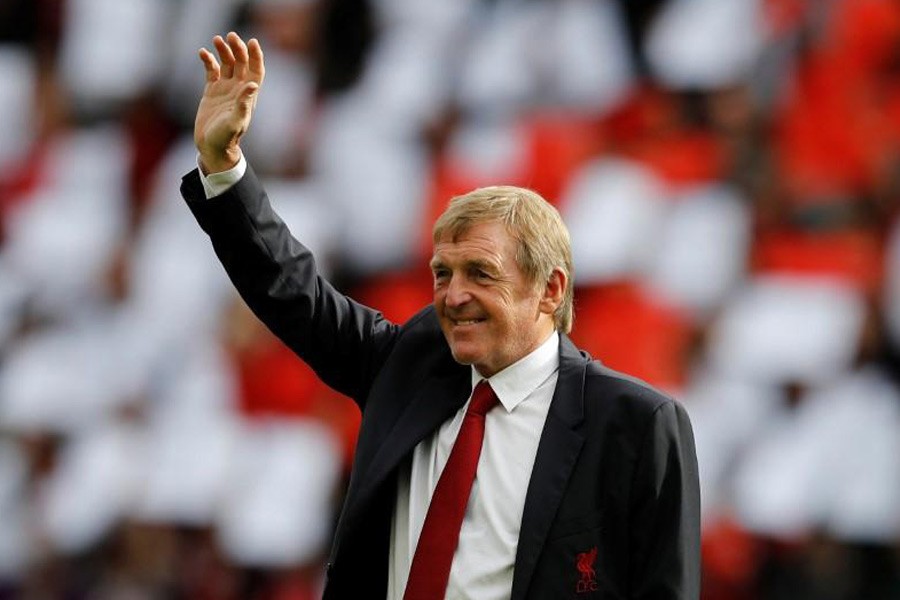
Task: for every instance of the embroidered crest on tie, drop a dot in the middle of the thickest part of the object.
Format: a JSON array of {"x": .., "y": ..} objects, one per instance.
[{"x": 431, "y": 562}]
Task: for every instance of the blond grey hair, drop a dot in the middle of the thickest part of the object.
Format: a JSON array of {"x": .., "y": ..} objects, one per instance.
[{"x": 542, "y": 238}]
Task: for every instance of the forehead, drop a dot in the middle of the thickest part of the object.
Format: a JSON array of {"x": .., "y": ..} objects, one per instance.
[{"x": 484, "y": 240}]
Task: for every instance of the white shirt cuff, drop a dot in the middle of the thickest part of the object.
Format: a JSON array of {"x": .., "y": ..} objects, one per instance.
[{"x": 216, "y": 184}]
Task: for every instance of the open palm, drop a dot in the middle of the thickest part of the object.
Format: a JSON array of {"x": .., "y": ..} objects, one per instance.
[{"x": 226, "y": 108}]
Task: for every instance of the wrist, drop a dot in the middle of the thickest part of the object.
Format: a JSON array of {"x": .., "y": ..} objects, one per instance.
[{"x": 217, "y": 162}]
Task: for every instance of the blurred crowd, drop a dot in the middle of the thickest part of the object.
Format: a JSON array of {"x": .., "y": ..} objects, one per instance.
[{"x": 729, "y": 171}]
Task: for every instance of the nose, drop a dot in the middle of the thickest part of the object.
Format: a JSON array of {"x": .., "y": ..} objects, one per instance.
[{"x": 457, "y": 292}]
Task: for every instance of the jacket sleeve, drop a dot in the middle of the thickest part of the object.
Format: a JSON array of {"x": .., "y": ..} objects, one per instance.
[
  {"x": 665, "y": 512},
  {"x": 343, "y": 341}
]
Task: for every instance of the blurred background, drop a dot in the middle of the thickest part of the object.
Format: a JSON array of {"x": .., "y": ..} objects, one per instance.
[{"x": 730, "y": 172}]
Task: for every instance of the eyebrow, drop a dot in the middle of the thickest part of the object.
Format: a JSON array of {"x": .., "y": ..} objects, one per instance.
[
  {"x": 478, "y": 263},
  {"x": 484, "y": 265}
]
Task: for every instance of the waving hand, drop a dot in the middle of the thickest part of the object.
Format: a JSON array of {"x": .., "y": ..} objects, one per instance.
[{"x": 229, "y": 97}]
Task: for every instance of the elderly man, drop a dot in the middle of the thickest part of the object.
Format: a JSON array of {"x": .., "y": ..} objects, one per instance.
[{"x": 495, "y": 459}]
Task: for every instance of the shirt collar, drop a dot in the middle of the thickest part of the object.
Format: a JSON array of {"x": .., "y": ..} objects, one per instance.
[{"x": 517, "y": 381}]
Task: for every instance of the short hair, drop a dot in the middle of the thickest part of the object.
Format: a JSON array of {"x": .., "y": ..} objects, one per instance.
[{"x": 542, "y": 238}]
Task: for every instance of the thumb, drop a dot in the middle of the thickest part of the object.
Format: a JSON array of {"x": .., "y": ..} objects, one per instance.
[{"x": 247, "y": 98}]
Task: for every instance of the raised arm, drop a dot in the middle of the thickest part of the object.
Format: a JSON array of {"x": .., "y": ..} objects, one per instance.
[
  {"x": 229, "y": 97},
  {"x": 344, "y": 342}
]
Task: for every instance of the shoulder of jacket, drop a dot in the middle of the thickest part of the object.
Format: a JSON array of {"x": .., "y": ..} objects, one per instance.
[
  {"x": 421, "y": 335},
  {"x": 616, "y": 386}
]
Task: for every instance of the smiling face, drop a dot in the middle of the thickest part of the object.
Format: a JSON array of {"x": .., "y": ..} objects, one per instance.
[{"x": 490, "y": 313}]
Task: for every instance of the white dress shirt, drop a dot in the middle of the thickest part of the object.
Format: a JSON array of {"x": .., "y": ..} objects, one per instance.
[
  {"x": 482, "y": 567},
  {"x": 215, "y": 184},
  {"x": 483, "y": 564}
]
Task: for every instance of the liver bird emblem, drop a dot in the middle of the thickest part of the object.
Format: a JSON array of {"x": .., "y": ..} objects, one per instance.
[{"x": 585, "y": 564}]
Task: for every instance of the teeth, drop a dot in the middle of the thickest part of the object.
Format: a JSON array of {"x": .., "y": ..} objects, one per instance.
[{"x": 469, "y": 322}]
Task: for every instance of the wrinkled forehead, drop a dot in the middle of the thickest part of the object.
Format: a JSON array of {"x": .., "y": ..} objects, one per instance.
[
  {"x": 461, "y": 228},
  {"x": 484, "y": 238}
]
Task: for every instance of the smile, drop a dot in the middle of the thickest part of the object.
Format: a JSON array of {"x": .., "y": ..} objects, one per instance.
[{"x": 466, "y": 322}]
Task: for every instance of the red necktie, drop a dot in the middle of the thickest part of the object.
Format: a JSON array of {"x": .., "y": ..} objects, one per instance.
[{"x": 430, "y": 568}]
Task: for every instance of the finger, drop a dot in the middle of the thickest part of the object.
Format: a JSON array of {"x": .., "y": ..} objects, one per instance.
[
  {"x": 239, "y": 50},
  {"x": 210, "y": 65},
  {"x": 256, "y": 65},
  {"x": 226, "y": 56}
]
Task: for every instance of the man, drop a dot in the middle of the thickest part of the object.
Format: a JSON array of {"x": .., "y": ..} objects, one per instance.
[{"x": 585, "y": 481}]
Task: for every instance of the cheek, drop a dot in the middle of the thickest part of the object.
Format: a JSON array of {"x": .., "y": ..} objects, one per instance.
[
  {"x": 438, "y": 300},
  {"x": 502, "y": 303}
]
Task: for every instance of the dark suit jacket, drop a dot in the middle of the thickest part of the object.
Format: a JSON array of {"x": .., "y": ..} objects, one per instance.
[{"x": 612, "y": 508}]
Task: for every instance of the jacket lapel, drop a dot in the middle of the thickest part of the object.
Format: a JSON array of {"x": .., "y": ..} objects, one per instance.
[
  {"x": 435, "y": 402},
  {"x": 558, "y": 450}
]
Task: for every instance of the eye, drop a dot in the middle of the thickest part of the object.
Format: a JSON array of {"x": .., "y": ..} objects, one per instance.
[
  {"x": 440, "y": 274},
  {"x": 481, "y": 275}
]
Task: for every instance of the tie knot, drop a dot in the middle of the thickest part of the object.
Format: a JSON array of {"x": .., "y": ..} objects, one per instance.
[{"x": 483, "y": 399}]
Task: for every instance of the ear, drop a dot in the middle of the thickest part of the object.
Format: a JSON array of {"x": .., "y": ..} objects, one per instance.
[{"x": 553, "y": 292}]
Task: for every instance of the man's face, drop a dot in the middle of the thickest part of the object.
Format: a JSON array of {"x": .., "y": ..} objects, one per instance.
[{"x": 489, "y": 312}]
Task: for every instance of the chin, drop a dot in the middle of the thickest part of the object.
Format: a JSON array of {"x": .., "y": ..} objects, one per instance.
[{"x": 464, "y": 356}]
